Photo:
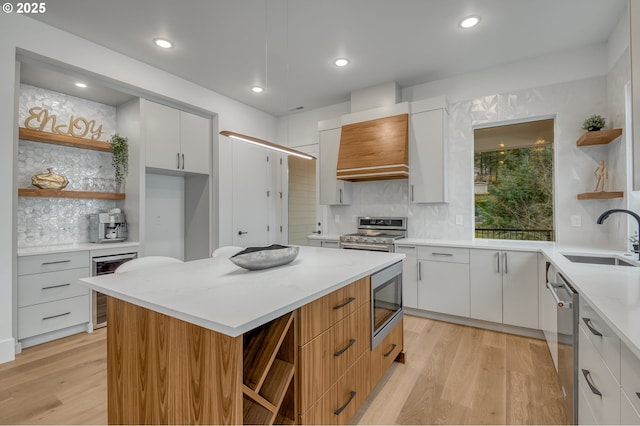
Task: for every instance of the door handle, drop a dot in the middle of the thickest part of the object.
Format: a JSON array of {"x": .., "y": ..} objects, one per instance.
[
  {"x": 343, "y": 304},
  {"x": 341, "y": 409},
  {"x": 56, "y": 262},
  {"x": 56, "y": 286},
  {"x": 393, "y": 346},
  {"x": 340, "y": 195},
  {"x": 182, "y": 161},
  {"x": 587, "y": 322},
  {"x": 587, "y": 377},
  {"x": 498, "y": 262},
  {"x": 343, "y": 350},
  {"x": 506, "y": 267},
  {"x": 178, "y": 161},
  {"x": 242, "y": 232},
  {"x": 419, "y": 271},
  {"x": 411, "y": 192},
  {"x": 55, "y": 316}
]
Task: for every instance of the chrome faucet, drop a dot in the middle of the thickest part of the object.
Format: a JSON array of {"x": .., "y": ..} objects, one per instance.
[{"x": 606, "y": 214}]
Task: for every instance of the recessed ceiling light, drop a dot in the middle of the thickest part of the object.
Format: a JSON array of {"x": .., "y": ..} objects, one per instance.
[
  {"x": 81, "y": 85},
  {"x": 469, "y": 21},
  {"x": 341, "y": 62},
  {"x": 257, "y": 89},
  {"x": 163, "y": 42}
]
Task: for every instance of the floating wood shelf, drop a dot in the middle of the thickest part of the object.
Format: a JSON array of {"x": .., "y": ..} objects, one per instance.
[
  {"x": 65, "y": 140},
  {"x": 57, "y": 193},
  {"x": 598, "y": 137},
  {"x": 600, "y": 195}
]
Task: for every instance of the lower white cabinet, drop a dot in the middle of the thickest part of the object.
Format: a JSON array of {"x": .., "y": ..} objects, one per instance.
[
  {"x": 324, "y": 243},
  {"x": 443, "y": 280},
  {"x": 504, "y": 287},
  {"x": 628, "y": 413},
  {"x": 409, "y": 275}
]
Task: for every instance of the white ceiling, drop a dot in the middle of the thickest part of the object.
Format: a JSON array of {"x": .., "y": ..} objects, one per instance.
[{"x": 289, "y": 45}]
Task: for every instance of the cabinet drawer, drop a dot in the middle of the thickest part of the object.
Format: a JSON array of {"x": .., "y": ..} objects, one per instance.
[
  {"x": 52, "y": 262},
  {"x": 51, "y": 316},
  {"x": 444, "y": 254},
  {"x": 343, "y": 399},
  {"x": 628, "y": 413},
  {"x": 608, "y": 345},
  {"x": 630, "y": 376},
  {"x": 386, "y": 352},
  {"x": 41, "y": 288},
  {"x": 328, "y": 356},
  {"x": 319, "y": 315},
  {"x": 605, "y": 407}
]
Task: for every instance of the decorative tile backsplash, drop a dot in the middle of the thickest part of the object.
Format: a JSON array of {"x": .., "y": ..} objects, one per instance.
[{"x": 47, "y": 221}]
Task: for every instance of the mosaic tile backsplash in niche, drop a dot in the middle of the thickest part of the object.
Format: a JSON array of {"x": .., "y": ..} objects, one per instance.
[{"x": 48, "y": 221}]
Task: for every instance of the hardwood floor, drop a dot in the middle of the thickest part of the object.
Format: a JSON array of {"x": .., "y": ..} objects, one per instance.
[{"x": 453, "y": 375}]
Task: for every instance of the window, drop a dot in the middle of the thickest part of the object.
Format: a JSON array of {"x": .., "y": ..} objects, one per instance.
[{"x": 513, "y": 181}]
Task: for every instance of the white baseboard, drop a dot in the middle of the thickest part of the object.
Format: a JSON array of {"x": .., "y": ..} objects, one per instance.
[{"x": 7, "y": 350}]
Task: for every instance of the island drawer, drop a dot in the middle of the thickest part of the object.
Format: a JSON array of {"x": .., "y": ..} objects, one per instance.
[
  {"x": 38, "y": 264},
  {"x": 444, "y": 254},
  {"x": 386, "y": 352},
  {"x": 51, "y": 316},
  {"x": 606, "y": 342},
  {"x": 319, "y": 315},
  {"x": 42, "y": 288},
  {"x": 630, "y": 376},
  {"x": 327, "y": 357},
  {"x": 341, "y": 402}
]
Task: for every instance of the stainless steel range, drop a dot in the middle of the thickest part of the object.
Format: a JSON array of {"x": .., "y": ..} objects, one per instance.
[{"x": 375, "y": 233}]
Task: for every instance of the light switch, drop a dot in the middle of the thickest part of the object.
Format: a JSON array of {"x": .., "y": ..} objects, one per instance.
[
  {"x": 576, "y": 221},
  {"x": 459, "y": 219}
]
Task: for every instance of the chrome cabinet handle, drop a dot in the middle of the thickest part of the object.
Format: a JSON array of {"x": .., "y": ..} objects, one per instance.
[
  {"x": 242, "y": 232},
  {"x": 587, "y": 322},
  {"x": 343, "y": 350},
  {"x": 340, "y": 195},
  {"x": 178, "y": 160},
  {"x": 419, "y": 271},
  {"x": 342, "y": 305},
  {"x": 55, "y": 316},
  {"x": 407, "y": 247},
  {"x": 506, "y": 267},
  {"x": 182, "y": 161},
  {"x": 341, "y": 409},
  {"x": 411, "y": 192},
  {"x": 552, "y": 288},
  {"x": 56, "y": 286},
  {"x": 393, "y": 346},
  {"x": 498, "y": 262},
  {"x": 56, "y": 262},
  {"x": 587, "y": 377},
  {"x": 442, "y": 254}
]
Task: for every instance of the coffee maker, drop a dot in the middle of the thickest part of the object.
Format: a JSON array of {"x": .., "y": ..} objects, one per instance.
[{"x": 108, "y": 227}]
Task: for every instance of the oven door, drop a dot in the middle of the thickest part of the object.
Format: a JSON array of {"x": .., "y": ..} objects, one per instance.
[
  {"x": 369, "y": 247},
  {"x": 386, "y": 302}
]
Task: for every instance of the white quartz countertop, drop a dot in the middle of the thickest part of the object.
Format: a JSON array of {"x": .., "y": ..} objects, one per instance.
[
  {"x": 325, "y": 237},
  {"x": 64, "y": 248},
  {"x": 218, "y": 295},
  {"x": 612, "y": 291}
]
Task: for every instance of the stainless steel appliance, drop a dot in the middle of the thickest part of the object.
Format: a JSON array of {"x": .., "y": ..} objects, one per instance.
[
  {"x": 103, "y": 265},
  {"x": 108, "y": 227},
  {"x": 375, "y": 233},
  {"x": 386, "y": 302},
  {"x": 566, "y": 298}
]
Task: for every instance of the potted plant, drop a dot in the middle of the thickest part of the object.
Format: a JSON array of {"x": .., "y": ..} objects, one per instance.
[
  {"x": 634, "y": 241},
  {"x": 593, "y": 123},
  {"x": 120, "y": 159}
]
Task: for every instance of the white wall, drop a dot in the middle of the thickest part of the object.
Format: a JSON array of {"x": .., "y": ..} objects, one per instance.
[
  {"x": 164, "y": 216},
  {"x": 33, "y": 38}
]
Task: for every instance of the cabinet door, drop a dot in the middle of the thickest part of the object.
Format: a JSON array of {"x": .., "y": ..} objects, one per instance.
[
  {"x": 332, "y": 190},
  {"x": 162, "y": 130},
  {"x": 486, "y": 285},
  {"x": 314, "y": 243},
  {"x": 330, "y": 244},
  {"x": 195, "y": 143},
  {"x": 443, "y": 287},
  {"x": 427, "y": 157},
  {"x": 250, "y": 198},
  {"x": 520, "y": 288},
  {"x": 409, "y": 276}
]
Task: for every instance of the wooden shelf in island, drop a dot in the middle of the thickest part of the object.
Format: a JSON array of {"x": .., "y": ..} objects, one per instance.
[
  {"x": 65, "y": 140},
  {"x": 602, "y": 195},
  {"x": 61, "y": 193},
  {"x": 598, "y": 137}
]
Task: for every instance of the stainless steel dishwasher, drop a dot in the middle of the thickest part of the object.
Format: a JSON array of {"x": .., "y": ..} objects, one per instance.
[{"x": 566, "y": 298}]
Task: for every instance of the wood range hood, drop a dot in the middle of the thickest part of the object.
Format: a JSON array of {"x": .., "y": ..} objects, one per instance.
[{"x": 374, "y": 145}]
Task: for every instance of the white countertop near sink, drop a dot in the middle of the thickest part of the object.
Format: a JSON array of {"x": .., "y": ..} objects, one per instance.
[
  {"x": 612, "y": 291},
  {"x": 218, "y": 295},
  {"x": 63, "y": 248}
]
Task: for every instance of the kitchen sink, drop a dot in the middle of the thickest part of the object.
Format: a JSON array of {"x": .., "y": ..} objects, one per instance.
[{"x": 598, "y": 260}]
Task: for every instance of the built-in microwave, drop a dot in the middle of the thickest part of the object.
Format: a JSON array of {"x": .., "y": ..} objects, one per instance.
[{"x": 386, "y": 302}]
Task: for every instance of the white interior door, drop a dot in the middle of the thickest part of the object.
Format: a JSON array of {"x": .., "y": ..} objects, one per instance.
[{"x": 250, "y": 198}]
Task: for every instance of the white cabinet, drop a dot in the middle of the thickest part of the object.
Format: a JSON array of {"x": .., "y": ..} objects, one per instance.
[
  {"x": 504, "y": 287},
  {"x": 443, "y": 280},
  {"x": 332, "y": 190},
  {"x": 176, "y": 140},
  {"x": 409, "y": 275},
  {"x": 428, "y": 151},
  {"x": 316, "y": 242}
]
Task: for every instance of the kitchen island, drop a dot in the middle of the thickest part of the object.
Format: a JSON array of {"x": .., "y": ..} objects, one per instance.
[{"x": 209, "y": 342}]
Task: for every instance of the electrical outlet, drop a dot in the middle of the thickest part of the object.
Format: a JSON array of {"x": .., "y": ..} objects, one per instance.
[
  {"x": 459, "y": 219},
  {"x": 576, "y": 221}
]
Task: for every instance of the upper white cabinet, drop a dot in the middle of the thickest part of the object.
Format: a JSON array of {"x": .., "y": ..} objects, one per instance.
[
  {"x": 332, "y": 190},
  {"x": 504, "y": 287},
  {"x": 427, "y": 151},
  {"x": 176, "y": 140}
]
